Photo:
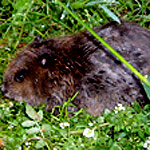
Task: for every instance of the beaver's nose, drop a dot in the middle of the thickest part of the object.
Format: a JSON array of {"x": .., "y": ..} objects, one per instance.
[{"x": 4, "y": 91}]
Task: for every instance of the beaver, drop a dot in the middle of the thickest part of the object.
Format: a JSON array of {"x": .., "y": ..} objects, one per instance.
[{"x": 52, "y": 70}]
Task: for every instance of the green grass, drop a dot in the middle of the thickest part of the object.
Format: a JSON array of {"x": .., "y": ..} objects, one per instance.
[{"x": 20, "y": 22}]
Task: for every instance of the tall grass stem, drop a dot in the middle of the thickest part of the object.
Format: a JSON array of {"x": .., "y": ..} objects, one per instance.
[{"x": 134, "y": 70}]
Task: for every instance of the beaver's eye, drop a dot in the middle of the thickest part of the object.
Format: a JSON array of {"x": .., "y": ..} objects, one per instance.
[{"x": 19, "y": 77}]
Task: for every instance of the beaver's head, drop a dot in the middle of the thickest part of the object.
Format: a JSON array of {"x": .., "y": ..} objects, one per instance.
[{"x": 46, "y": 71}]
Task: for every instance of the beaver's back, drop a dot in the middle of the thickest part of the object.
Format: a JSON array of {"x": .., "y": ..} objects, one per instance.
[{"x": 110, "y": 82}]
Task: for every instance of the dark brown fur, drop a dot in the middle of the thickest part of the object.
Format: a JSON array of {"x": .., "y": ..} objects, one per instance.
[{"x": 51, "y": 71}]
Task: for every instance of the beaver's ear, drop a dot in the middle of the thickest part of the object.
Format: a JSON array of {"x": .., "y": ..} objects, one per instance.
[
  {"x": 37, "y": 42},
  {"x": 46, "y": 60}
]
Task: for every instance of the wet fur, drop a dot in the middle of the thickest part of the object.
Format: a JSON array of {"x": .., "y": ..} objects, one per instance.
[{"x": 81, "y": 63}]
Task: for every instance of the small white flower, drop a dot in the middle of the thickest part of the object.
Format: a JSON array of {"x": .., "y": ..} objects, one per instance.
[
  {"x": 147, "y": 144},
  {"x": 42, "y": 26},
  {"x": 82, "y": 145},
  {"x": 88, "y": 133},
  {"x": 64, "y": 124},
  {"x": 62, "y": 16},
  {"x": 20, "y": 148},
  {"x": 119, "y": 108},
  {"x": 90, "y": 124},
  {"x": 27, "y": 143},
  {"x": 10, "y": 126},
  {"x": 95, "y": 138}
]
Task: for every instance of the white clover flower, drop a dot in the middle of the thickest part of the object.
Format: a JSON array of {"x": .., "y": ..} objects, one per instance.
[
  {"x": 62, "y": 16},
  {"x": 88, "y": 133},
  {"x": 20, "y": 148},
  {"x": 90, "y": 124},
  {"x": 119, "y": 108},
  {"x": 64, "y": 124},
  {"x": 10, "y": 126},
  {"x": 27, "y": 144},
  {"x": 42, "y": 26},
  {"x": 147, "y": 144}
]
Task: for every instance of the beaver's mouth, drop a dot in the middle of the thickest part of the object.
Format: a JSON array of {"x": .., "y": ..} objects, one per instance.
[
  {"x": 3, "y": 90},
  {"x": 8, "y": 94}
]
